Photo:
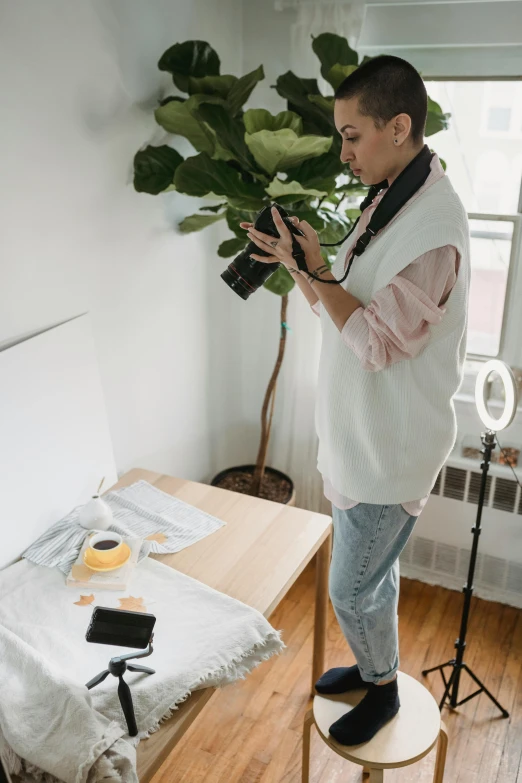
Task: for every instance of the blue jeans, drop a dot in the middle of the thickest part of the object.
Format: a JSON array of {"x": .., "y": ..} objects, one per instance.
[{"x": 364, "y": 583}]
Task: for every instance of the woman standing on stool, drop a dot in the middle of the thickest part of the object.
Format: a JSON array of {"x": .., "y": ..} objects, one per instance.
[{"x": 392, "y": 356}]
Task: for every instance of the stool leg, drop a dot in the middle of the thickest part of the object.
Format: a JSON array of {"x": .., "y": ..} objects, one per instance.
[
  {"x": 307, "y": 730},
  {"x": 366, "y": 771},
  {"x": 376, "y": 775},
  {"x": 440, "y": 761}
]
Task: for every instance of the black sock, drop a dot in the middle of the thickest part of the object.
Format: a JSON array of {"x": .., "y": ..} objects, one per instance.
[
  {"x": 380, "y": 705},
  {"x": 340, "y": 680}
]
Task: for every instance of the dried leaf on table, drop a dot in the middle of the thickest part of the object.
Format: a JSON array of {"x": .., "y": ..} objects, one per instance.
[
  {"x": 85, "y": 600},
  {"x": 81, "y": 572},
  {"x": 132, "y": 604},
  {"x": 159, "y": 537}
]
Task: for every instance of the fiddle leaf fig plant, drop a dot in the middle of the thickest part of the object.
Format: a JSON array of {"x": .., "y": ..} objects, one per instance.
[{"x": 247, "y": 159}]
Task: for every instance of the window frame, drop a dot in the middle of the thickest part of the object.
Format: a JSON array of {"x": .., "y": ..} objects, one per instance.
[
  {"x": 515, "y": 261},
  {"x": 508, "y": 345}
]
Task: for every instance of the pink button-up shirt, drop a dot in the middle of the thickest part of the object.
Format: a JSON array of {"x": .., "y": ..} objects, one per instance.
[{"x": 395, "y": 324}]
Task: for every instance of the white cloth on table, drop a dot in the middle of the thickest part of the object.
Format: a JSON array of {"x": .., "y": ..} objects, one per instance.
[
  {"x": 202, "y": 638},
  {"x": 40, "y": 708},
  {"x": 141, "y": 510}
]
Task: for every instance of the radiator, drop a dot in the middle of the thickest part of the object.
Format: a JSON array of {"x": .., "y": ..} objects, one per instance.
[{"x": 439, "y": 550}]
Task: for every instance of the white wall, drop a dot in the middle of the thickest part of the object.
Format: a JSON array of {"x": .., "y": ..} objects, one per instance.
[
  {"x": 184, "y": 362},
  {"x": 78, "y": 83}
]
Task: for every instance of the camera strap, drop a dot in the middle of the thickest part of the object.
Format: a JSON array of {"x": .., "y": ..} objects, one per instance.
[{"x": 411, "y": 178}]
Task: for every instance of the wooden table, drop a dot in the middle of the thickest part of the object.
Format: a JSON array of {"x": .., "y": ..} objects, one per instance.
[{"x": 256, "y": 557}]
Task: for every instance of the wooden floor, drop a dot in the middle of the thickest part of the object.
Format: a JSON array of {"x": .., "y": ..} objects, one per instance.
[{"x": 251, "y": 731}]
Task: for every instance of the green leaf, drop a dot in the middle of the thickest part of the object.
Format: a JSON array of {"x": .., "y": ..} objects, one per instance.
[
  {"x": 242, "y": 89},
  {"x": 279, "y": 150},
  {"x": 177, "y": 118},
  {"x": 229, "y": 132},
  {"x": 436, "y": 120},
  {"x": 312, "y": 172},
  {"x": 337, "y": 226},
  {"x": 170, "y": 98},
  {"x": 325, "y": 103},
  {"x": 277, "y": 188},
  {"x": 198, "y": 222},
  {"x": 256, "y": 120},
  {"x": 190, "y": 58},
  {"x": 220, "y": 153},
  {"x": 296, "y": 91},
  {"x": 154, "y": 168},
  {"x": 311, "y": 216},
  {"x": 212, "y": 85},
  {"x": 338, "y": 73},
  {"x": 214, "y": 208},
  {"x": 231, "y": 247},
  {"x": 333, "y": 50},
  {"x": 280, "y": 282},
  {"x": 241, "y": 215},
  {"x": 199, "y": 175}
]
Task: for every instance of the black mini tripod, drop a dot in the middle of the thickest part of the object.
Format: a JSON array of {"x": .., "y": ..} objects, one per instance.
[{"x": 118, "y": 666}]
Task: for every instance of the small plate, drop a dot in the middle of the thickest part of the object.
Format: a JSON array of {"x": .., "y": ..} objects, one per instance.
[{"x": 95, "y": 565}]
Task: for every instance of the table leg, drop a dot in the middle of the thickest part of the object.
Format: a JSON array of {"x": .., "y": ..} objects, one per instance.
[{"x": 322, "y": 565}]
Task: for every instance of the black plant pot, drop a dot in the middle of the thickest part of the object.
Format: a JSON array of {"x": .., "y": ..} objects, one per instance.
[{"x": 276, "y": 486}]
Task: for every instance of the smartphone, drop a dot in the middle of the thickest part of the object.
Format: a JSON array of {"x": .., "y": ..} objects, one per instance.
[{"x": 120, "y": 627}]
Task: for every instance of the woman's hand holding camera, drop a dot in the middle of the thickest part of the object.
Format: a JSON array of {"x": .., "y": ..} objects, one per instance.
[{"x": 281, "y": 252}]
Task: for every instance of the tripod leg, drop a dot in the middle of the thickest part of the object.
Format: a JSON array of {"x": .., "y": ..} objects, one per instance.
[
  {"x": 505, "y": 713},
  {"x": 127, "y": 707},
  {"x": 96, "y": 680},
  {"x": 448, "y": 686},
  {"x": 141, "y": 669},
  {"x": 440, "y": 666}
]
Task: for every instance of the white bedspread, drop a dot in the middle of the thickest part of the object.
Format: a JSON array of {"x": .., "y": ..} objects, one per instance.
[
  {"x": 202, "y": 638},
  {"x": 48, "y": 721}
]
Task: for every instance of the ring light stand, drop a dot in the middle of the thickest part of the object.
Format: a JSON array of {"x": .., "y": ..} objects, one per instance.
[{"x": 489, "y": 442}]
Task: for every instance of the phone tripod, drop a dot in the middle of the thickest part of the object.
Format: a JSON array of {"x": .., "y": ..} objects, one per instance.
[{"x": 118, "y": 666}]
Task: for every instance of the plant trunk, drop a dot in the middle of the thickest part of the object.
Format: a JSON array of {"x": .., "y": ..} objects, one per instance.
[{"x": 259, "y": 472}]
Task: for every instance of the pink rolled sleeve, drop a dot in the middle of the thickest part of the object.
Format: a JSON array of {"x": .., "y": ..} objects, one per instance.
[{"x": 395, "y": 324}]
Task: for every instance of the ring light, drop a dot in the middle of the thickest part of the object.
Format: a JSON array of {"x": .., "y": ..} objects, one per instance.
[{"x": 510, "y": 394}]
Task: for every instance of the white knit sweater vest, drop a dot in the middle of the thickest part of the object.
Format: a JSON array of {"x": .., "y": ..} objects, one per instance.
[{"x": 383, "y": 436}]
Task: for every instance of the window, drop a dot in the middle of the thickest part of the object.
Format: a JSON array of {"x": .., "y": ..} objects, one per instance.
[
  {"x": 482, "y": 152},
  {"x": 501, "y": 110},
  {"x": 490, "y": 244}
]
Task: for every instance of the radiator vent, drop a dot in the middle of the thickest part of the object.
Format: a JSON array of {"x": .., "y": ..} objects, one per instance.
[
  {"x": 495, "y": 578},
  {"x": 459, "y": 484}
]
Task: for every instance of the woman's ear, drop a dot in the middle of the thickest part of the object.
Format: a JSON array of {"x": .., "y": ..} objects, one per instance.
[{"x": 401, "y": 127}]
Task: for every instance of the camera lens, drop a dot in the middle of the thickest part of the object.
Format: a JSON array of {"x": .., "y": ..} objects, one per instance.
[{"x": 244, "y": 275}]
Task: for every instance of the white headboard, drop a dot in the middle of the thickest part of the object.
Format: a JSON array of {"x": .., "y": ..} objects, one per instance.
[{"x": 55, "y": 445}]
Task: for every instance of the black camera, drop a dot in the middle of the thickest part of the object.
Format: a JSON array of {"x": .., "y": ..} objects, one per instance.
[{"x": 245, "y": 275}]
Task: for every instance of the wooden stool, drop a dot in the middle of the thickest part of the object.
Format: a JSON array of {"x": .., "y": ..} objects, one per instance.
[{"x": 406, "y": 738}]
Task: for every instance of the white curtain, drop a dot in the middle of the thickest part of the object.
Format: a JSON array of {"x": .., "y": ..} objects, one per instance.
[{"x": 293, "y": 442}]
